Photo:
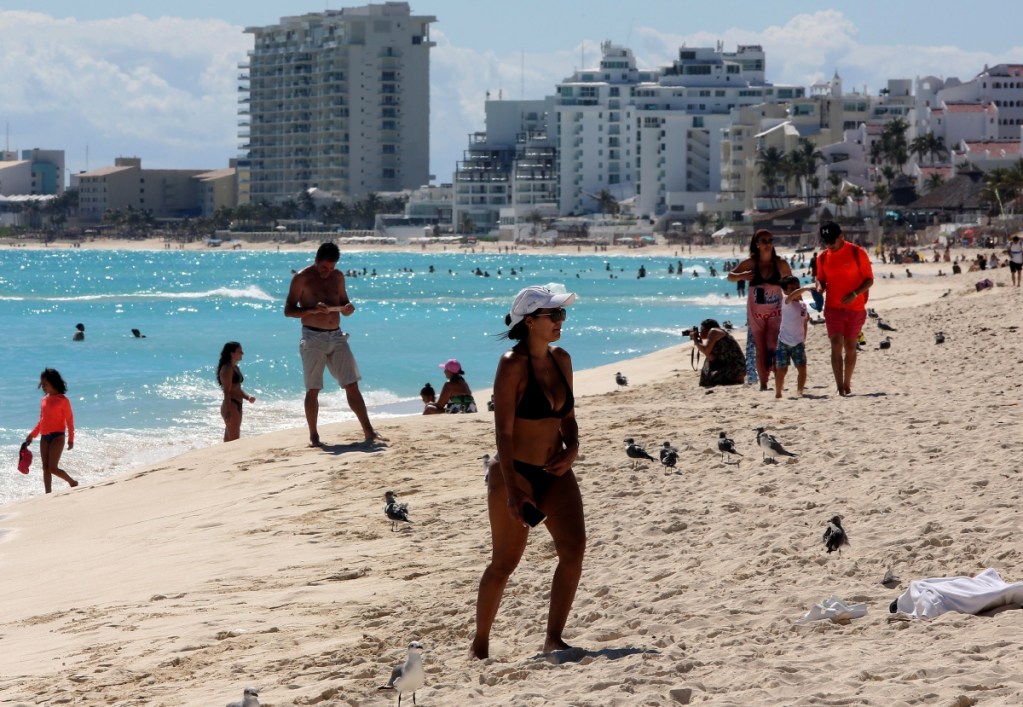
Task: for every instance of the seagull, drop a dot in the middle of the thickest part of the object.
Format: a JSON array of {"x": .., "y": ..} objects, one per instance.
[
  {"x": 486, "y": 467},
  {"x": 621, "y": 380},
  {"x": 635, "y": 452},
  {"x": 771, "y": 446},
  {"x": 250, "y": 698},
  {"x": 490, "y": 404},
  {"x": 939, "y": 337},
  {"x": 885, "y": 326},
  {"x": 834, "y": 535},
  {"x": 409, "y": 676},
  {"x": 669, "y": 456},
  {"x": 946, "y": 293},
  {"x": 396, "y": 512},
  {"x": 726, "y": 446},
  {"x": 871, "y": 313},
  {"x": 885, "y": 343}
]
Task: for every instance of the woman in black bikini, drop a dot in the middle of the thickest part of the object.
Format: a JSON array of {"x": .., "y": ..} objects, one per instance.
[
  {"x": 531, "y": 477},
  {"x": 230, "y": 379}
]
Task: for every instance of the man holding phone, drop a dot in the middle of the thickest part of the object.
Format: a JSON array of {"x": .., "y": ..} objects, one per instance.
[{"x": 318, "y": 297}]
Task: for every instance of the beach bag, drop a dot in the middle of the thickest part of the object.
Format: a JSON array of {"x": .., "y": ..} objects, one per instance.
[{"x": 24, "y": 459}]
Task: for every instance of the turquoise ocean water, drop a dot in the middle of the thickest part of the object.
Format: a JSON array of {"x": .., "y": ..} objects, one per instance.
[{"x": 138, "y": 401}]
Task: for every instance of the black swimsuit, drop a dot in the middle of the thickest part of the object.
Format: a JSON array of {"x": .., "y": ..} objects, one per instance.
[
  {"x": 236, "y": 379},
  {"x": 534, "y": 405}
]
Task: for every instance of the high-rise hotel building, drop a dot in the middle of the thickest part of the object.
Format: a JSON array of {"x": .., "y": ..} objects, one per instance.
[{"x": 338, "y": 100}]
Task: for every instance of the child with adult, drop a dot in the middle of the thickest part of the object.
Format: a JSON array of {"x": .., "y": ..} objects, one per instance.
[
  {"x": 763, "y": 270},
  {"x": 230, "y": 378},
  {"x": 455, "y": 396},
  {"x": 792, "y": 335},
  {"x": 56, "y": 419}
]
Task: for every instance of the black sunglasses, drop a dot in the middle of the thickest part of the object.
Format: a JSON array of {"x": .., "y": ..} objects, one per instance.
[{"x": 556, "y": 315}]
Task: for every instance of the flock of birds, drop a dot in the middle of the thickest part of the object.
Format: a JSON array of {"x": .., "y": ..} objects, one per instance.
[{"x": 768, "y": 443}]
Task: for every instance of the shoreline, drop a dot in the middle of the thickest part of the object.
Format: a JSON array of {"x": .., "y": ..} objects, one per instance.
[{"x": 268, "y": 563}]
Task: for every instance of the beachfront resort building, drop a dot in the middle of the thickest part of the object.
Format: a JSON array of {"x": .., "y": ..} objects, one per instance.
[
  {"x": 338, "y": 100},
  {"x": 509, "y": 171},
  {"x": 165, "y": 193},
  {"x": 32, "y": 172}
]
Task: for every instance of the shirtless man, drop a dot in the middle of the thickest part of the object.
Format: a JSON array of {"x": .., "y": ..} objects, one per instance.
[{"x": 318, "y": 297}]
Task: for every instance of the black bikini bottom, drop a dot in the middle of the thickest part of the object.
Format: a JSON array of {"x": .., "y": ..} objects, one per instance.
[{"x": 538, "y": 479}]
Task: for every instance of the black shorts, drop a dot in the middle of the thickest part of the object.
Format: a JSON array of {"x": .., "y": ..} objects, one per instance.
[{"x": 1015, "y": 267}]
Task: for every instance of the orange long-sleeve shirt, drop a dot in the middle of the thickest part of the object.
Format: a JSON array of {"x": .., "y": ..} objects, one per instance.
[{"x": 54, "y": 416}]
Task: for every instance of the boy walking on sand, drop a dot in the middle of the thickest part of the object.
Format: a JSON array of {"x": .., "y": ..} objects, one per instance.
[{"x": 792, "y": 336}]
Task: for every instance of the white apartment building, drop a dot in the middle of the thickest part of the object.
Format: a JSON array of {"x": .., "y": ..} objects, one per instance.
[
  {"x": 596, "y": 131},
  {"x": 338, "y": 100},
  {"x": 511, "y": 167}
]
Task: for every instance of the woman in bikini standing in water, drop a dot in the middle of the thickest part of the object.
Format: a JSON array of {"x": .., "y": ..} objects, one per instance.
[
  {"x": 763, "y": 270},
  {"x": 230, "y": 379},
  {"x": 531, "y": 480}
]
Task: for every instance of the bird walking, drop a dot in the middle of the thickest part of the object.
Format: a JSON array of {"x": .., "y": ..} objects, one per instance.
[
  {"x": 727, "y": 446},
  {"x": 250, "y": 698},
  {"x": 635, "y": 452},
  {"x": 885, "y": 326},
  {"x": 885, "y": 343},
  {"x": 409, "y": 676},
  {"x": 669, "y": 457},
  {"x": 770, "y": 446},
  {"x": 834, "y": 535},
  {"x": 396, "y": 512},
  {"x": 621, "y": 380}
]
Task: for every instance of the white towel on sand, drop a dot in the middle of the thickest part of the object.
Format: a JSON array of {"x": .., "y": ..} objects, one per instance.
[
  {"x": 835, "y": 609},
  {"x": 928, "y": 598}
]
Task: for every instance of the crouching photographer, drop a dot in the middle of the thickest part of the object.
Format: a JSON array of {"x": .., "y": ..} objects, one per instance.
[{"x": 724, "y": 362}]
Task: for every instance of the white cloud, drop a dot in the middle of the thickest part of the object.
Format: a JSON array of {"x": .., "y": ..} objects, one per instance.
[{"x": 166, "y": 89}]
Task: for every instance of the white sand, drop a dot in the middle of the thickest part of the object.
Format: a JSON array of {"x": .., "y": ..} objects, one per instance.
[{"x": 263, "y": 562}]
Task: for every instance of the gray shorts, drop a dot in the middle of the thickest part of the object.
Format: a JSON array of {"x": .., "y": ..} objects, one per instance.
[{"x": 330, "y": 349}]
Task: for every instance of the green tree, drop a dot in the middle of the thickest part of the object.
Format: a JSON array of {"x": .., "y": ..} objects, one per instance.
[{"x": 771, "y": 168}]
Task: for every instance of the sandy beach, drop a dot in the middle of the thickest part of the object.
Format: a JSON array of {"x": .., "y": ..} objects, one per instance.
[{"x": 263, "y": 562}]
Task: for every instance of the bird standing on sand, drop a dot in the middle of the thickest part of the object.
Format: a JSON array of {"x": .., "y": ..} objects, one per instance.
[
  {"x": 669, "y": 456},
  {"x": 409, "y": 676},
  {"x": 939, "y": 337},
  {"x": 834, "y": 535},
  {"x": 885, "y": 343},
  {"x": 726, "y": 446},
  {"x": 635, "y": 452},
  {"x": 885, "y": 326},
  {"x": 890, "y": 580},
  {"x": 396, "y": 512},
  {"x": 250, "y": 698},
  {"x": 621, "y": 380},
  {"x": 771, "y": 446},
  {"x": 871, "y": 313}
]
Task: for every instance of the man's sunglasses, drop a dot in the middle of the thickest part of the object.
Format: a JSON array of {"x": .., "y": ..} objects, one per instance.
[{"x": 556, "y": 315}]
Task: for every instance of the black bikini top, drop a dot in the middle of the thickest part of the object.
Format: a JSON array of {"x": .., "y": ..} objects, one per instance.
[
  {"x": 773, "y": 279},
  {"x": 534, "y": 404}
]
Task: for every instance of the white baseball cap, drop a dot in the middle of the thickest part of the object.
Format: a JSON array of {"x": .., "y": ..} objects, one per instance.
[{"x": 537, "y": 297}]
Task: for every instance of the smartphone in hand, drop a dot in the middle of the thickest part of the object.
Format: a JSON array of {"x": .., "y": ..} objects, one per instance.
[{"x": 532, "y": 515}]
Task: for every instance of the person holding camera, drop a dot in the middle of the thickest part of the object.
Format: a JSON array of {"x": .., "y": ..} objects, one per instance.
[
  {"x": 763, "y": 269},
  {"x": 724, "y": 362}
]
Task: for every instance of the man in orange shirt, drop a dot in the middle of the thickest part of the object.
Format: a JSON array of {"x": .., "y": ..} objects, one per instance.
[{"x": 844, "y": 275}]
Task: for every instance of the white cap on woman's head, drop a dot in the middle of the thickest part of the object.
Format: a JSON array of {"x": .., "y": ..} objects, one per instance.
[{"x": 537, "y": 297}]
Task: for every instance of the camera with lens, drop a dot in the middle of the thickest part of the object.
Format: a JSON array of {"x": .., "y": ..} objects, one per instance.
[{"x": 693, "y": 333}]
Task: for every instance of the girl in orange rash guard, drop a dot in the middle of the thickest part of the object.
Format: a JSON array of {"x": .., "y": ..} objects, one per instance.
[{"x": 55, "y": 417}]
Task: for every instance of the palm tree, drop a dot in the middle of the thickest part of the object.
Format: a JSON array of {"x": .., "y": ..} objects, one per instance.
[
  {"x": 894, "y": 147},
  {"x": 607, "y": 203},
  {"x": 805, "y": 158},
  {"x": 535, "y": 218},
  {"x": 857, "y": 195},
  {"x": 466, "y": 224},
  {"x": 936, "y": 146},
  {"x": 934, "y": 181},
  {"x": 770, "y": 166}
]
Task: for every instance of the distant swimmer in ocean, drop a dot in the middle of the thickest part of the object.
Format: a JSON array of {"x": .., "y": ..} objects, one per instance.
[
  {"x": 455, "y": 396},
  {"x": 230, "y": 378},
  {"x": 137, "y": 334},
  {"x": 318, "y": 298},
  {"x": 55, "y": 420},
  {"x": 79, "y": 334}
]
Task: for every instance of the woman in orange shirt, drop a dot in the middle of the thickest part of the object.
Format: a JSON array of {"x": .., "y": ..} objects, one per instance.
[{"x": 55, "y": 417}]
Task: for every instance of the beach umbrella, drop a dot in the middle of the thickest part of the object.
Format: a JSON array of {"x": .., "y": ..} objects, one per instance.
[{"x": 723, "y": 232}]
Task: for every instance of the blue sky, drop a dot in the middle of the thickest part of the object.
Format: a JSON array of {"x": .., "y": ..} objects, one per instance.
[{"x": 158, "y": 79}]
